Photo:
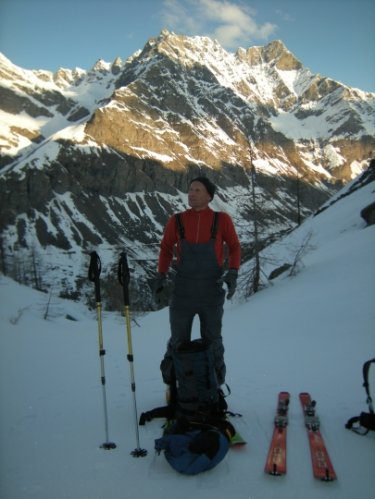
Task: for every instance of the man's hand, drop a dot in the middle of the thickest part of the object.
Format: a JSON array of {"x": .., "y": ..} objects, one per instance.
[
  {"x": 230, "y": 278},
  {"x": 160, "y": 288}
]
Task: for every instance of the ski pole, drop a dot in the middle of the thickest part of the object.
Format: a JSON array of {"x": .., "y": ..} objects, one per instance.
[
  {"x": 94, "y": 275},
  {"x": 124, "y": 278}
]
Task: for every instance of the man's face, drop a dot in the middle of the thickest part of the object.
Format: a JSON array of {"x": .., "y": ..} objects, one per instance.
[{"x": 198, "y": 196}]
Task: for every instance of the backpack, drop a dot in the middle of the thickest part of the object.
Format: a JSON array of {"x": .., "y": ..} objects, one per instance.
[
  {"x": 197, "y": 434},
  {"x": 365, "y": 422},
  {"x": 197, "y": 393}
]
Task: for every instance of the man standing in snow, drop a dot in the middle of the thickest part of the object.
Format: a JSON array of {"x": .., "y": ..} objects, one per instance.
[{"x": 198, "y": 234}]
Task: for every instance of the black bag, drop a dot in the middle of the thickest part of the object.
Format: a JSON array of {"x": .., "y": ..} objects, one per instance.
[
  {"x": 198, "y": 394},
  {"x": 195, "y": 393},
  {"x": 365, "y": 422}
]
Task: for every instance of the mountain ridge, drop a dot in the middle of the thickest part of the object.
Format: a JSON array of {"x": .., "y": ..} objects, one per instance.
[
  {"x": 306, "y": 86},
  {"x": 104, "y": 156}
]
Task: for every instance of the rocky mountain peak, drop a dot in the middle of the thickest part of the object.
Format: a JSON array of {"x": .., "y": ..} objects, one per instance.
[
  {"x": 186, "y": 50},
  {"x": 100, "y": 66},
  {"x": 65, "y": 77},
  {"x": 280, "y": 56},
  {"x": 117, "y": 66},
  {"x": 8, "y": 70},
  {"x": 275, "y": 54}
]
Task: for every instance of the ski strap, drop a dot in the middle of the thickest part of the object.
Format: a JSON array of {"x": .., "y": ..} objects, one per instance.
[
  {"x": 95, "y": 266},
  {"x": 94, "y": 274}
]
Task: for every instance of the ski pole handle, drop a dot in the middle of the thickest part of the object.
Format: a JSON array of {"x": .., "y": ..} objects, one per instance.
[
  {"x": 94, "y": 273},
  {"x": 124, "y": 276}
]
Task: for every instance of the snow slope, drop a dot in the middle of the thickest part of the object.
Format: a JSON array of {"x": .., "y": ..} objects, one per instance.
[{"x": 311, "y": 332}]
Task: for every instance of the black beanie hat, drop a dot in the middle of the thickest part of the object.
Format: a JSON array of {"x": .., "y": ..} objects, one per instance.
[{"x": 210, "y": 187}]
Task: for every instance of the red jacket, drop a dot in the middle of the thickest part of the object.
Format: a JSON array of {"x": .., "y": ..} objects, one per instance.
[{"x": 197, "y": 226}]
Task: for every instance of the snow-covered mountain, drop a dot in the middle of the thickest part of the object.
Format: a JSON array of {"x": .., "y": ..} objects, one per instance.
[
  {"x": 102, "y": 157},
  {"x": 310, "y": 332}
]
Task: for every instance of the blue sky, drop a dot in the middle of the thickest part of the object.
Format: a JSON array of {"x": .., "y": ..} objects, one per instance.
[{"x": 335, "y": 38}]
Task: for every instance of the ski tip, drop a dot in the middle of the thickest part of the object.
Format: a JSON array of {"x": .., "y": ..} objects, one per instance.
[
  {"x": 329, "y": 475},
  {"x": 275, "y": 470},
  {"x": 327, "y": 478}
]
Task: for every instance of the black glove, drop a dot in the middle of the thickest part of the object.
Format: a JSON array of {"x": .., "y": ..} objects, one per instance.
[
  {"x": 230, "y": 278},
  {"x": 160, "y": 288}
]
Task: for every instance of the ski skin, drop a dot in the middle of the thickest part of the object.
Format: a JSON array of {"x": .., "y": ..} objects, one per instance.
[
  {"x": 276, "y": 457},
  {"x": 321, "y": 462}
]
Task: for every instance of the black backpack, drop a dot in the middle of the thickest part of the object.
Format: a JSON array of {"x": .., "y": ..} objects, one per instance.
[
  {"x": 196, "y": 395},
  {"x": 365, "y": 422},
  {"x": 197, "y": 392}
]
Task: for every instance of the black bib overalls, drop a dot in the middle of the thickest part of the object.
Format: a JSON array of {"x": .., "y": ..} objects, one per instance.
[{"x": 196, "y": 292}]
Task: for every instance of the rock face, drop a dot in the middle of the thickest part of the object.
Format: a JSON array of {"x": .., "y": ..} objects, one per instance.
[
  {"x": 368, "y": 212},
  {"x": 103, "y": 157}
]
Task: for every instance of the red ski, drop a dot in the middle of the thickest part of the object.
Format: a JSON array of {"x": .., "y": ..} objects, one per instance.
[
  {"x": 321, "y": 463},
  {"x": 276, "y": 458}
]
